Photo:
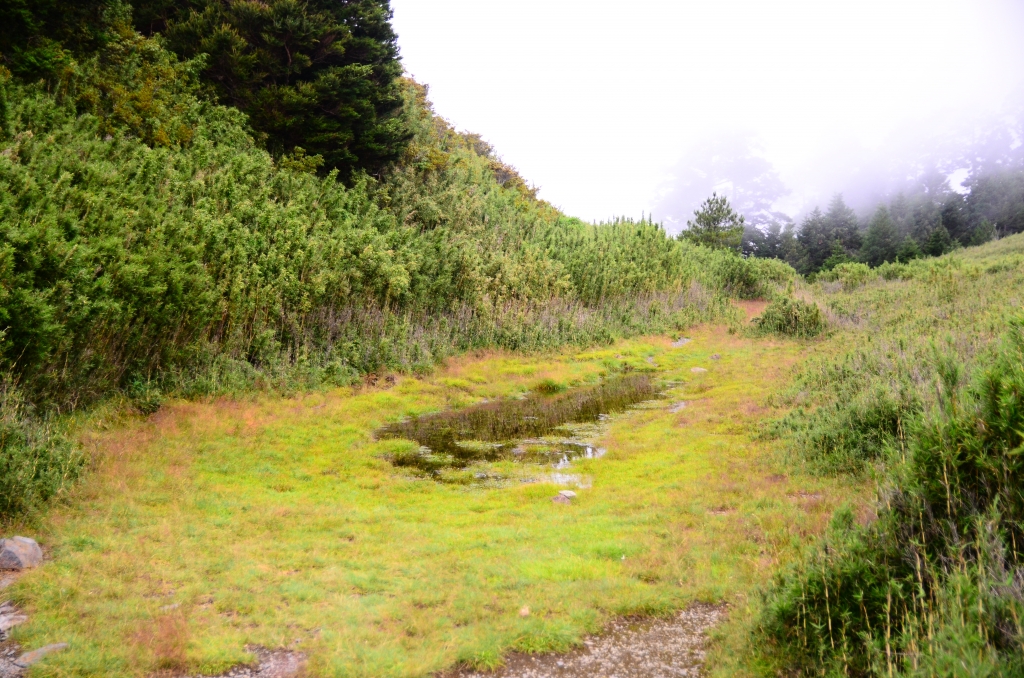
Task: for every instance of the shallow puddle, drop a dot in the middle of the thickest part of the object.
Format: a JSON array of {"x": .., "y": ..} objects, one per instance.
[{"x": 546, "y": 430}]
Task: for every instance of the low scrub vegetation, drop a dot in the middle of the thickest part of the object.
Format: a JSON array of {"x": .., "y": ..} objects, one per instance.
[
  {"x": 792, "y": 318},
  {"x": 928, "y": 586}
]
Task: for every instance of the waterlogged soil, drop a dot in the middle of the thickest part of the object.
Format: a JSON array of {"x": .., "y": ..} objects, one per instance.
[
  {"x": 543, "y": 429},
  {"x": 629, "y": 648}
]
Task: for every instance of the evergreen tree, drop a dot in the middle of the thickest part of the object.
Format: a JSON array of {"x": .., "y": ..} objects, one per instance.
[
  {"x": 715, "y": 225},
  {"x": 954, "y": 218},
  {"x": 776, "y": 240},
  {"x": 999, "y": 199},
  {"x": 982, "y": 233},
  {"x": 842, "y": 225},
  {"x": 938, "y": 242},
  {"x": 815, "y": 239},
  {"x": 908, "y": 250},
  {"x": 881, "y": 242},
  {"x": 838, "y": 256},
  {"x": 38, "y": 36},
  {"x": 320, "y": 75}
]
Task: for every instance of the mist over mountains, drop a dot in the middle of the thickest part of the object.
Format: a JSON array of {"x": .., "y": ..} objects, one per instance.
[{"x": 935, "y": 160}]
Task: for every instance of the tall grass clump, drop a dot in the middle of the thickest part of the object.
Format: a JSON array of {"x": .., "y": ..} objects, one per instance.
[{"x": 38, "y": 462}]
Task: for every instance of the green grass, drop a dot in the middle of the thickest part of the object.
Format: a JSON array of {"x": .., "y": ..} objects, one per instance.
[
  {"x": 904, "y": 344},
  {"x": 277, "y": 522}
]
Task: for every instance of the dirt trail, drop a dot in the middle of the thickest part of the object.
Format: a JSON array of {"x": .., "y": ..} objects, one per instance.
[{"x": 629, "y": 648}]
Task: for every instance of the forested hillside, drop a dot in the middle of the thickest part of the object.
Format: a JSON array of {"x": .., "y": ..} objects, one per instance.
[
  {"x": 160, "y": 235},
  {"x": 928, "y": 222}
]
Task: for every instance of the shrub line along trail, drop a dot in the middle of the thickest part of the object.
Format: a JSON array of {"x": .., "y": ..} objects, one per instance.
[{"x": 279, "y": 523}]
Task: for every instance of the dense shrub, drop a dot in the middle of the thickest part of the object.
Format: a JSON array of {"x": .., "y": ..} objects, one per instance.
[
  {"x": 842, "y": 436},
  {"x": 933, "y": 586},
  {"x": 790, "y": 317},
  {"x": 894, "y": 271},
  {"x": 850, "y": 275}
]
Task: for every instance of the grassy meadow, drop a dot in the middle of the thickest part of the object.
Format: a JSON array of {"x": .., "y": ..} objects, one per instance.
[
  {"x": 918, "y": 387},
  {"x": 278, "y": 522}
]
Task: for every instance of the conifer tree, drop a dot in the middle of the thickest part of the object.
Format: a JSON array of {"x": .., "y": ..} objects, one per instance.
[
  {"x": 938, "y": 242},
  {"x": 715, "y": 225},
  {"x": 320, "y": 75},
  {"x": 842, "y": 225},
  {"x": 881, "y": 242},
  {"x": 908, "y": 250},
  {"x": 816, "y": 241}
]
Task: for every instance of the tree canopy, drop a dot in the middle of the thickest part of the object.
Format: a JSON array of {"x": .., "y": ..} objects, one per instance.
[
  {"x": 320, "y": 75},
  {"x": 881, "y": 241},
  {"x": 716, "y": 224},
  {"x": 316, "y": 75}
]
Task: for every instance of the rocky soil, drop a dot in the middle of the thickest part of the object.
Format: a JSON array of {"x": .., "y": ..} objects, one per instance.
[{"x": 630, "y": 648}]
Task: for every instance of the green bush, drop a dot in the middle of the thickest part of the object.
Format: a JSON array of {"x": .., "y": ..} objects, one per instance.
[
  {"x": 932, "y": 587},
  {"x": 843, "y": 436},
  {"x": 894, "y": 271},
  {"x": 37, "y": 462},
  {"x": 850, "y": 275},
  {"x": 792, "y": 318}
]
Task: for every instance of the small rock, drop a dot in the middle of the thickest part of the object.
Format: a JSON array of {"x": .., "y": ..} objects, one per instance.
[
  {"x": 168, "y": 608},
  {"x": 524, "y": 611},
  {"x": 650, "y": 360},
  {"x": 19, "y": 553},
  {"x": 568, "y": 494},
  {"x": 29, "y": 658},
  {"x": 682, "y": 341},
  {"x": 678, "y": 407},
  {"x": 716, "y": 357},
  {"x": 559, "y": 499},
  {"x": 698, "y": 370},
  {"x": 11, "y": 618}
]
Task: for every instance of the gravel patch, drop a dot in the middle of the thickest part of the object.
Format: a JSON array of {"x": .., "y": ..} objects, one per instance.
[
  {"x": 629, "y": 648},
  {"x": 272, "y": 664}
]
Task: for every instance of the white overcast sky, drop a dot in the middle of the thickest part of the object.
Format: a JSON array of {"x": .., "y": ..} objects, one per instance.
[{"x": 595, "y": 101}]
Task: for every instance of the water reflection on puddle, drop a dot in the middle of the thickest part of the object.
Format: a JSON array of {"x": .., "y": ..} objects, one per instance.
[{"x": 540, "y": 435}]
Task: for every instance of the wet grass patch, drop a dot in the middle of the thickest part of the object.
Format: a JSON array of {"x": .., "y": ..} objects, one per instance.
[{"x": 278, "y": 522}]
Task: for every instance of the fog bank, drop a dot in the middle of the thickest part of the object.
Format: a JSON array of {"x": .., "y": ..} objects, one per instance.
[{"x": 615, "y": 109}]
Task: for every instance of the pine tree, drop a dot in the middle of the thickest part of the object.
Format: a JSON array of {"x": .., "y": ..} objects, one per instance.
[
  {"x": 938, "y": 242},
  {"x": 816, "y": 241},
  {"x": 715, "y": 225},
  {"x": 908, "y": 250},
  {"x": 842, "y": 224},
  {"x": 881, "y": 242},
  {"x": 38, "y": 36},
  {"x": 320, "y": 75}
]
